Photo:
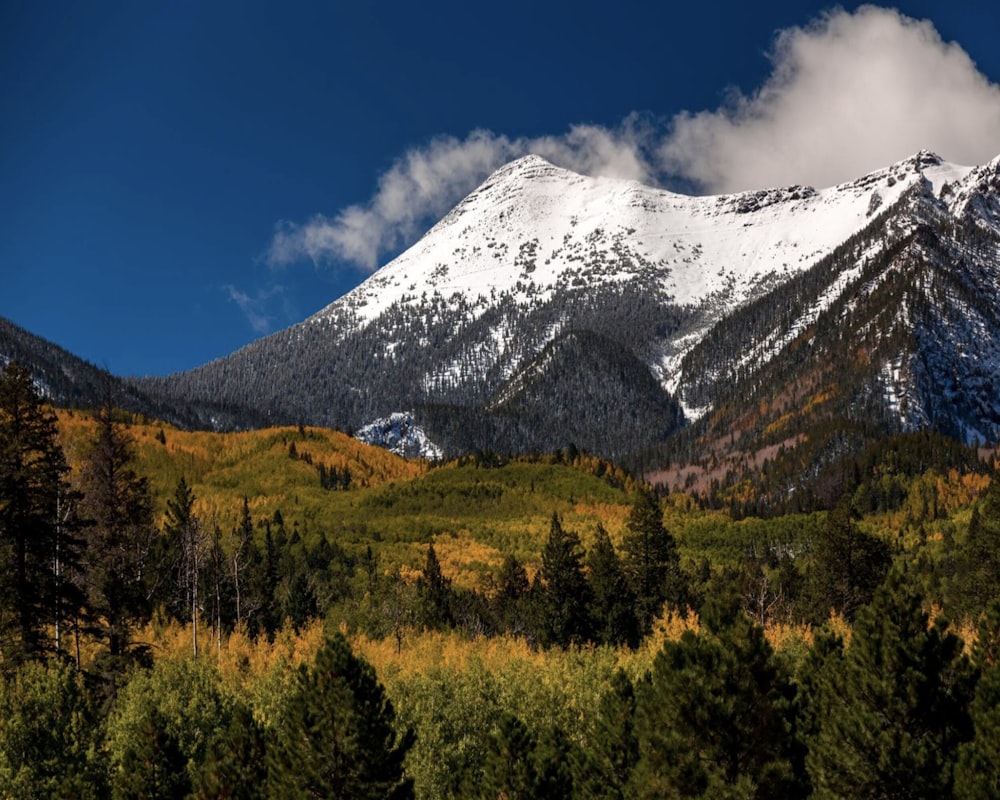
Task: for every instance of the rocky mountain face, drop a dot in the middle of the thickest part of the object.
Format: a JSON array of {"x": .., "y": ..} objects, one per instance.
[{"x": 550, "y": 309}]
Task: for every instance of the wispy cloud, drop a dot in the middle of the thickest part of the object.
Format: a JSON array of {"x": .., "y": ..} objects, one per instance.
[
  {"x": 847, "y": 94},
  {"x": 255, "y": 307},
  {"x": 427, "y": 181}
]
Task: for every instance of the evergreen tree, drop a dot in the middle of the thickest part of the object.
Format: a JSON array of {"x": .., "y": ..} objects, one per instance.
[
  {"x": 435, "y": 594},
  {"x": 564, "y": 600},
  {"x": 612, "y": 602},
  {"x": 235, "y": 764},
  {"x": 977, "y": 775},
  {"x": 650, "y": 560},
  {"x": 892, "y": 711},
  {"x": 184, "y": 529},
  {"x": 336, "y": 738},
  {"x": 977, "y": 562},
  {"x": 263, "y": 576},
  {"x": 507, "y": 771},
  {"x": 38, "y": 523},
  {"x": 522, "y": 766},
  {"x": 242, "y": 556},
  {"x": 160, "y": 727},
  {"x": 848, "y": 565},
  {"x": 120, "y": 535},
  {"x": 715, "y": 718},
  {"x": 510, "y": 602}
]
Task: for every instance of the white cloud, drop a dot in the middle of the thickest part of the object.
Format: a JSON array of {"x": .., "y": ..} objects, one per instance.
[{"x": 848, "y": 94}]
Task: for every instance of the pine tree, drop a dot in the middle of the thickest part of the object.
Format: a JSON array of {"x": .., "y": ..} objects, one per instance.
[
  {"x": 564, "y": 600},
  {"x": 120, "y": 535},
  {"x": 650, "y": 560},
  {"x": 847, "y": 567},
  {"x": 510, "y": 602},
  {"x": 337, "y": 738},
  {"x": 892, "y": 711},
  {"x": 604, "y": 768},
  {"x": 235, "y": 764},
  {"x": 435, "y": 594},
  {"x": 977, "y": 775},
  {"x": 508, "y": 769},
  {"x": 38, "y": 524},
  {"x": 184, "y": 528},
  {"x": 977, "y": 562},
  {"x": 715, "y": 718},
  {"x": 612, "y": 602}
]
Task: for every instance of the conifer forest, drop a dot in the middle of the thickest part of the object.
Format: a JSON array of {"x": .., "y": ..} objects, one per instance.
[{"x": 287, "y": 612}]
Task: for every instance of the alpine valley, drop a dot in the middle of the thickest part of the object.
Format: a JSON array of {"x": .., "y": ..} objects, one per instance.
[{"x": 698, "y": 340}]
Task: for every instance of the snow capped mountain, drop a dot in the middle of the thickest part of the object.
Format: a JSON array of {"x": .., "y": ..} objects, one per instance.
[
  {"x": 532, "y": 229},
  {"x": 549, "y": 308}
]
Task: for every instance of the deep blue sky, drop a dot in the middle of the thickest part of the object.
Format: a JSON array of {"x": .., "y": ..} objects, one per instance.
[{"x": 147, "y": 151}]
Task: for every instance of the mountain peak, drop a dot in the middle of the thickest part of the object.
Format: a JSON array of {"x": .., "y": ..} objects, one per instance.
[
  {"x": 925, "y": 158},
  {"x": 530, "y": 161},
  {"x": 524, "y": 169}
]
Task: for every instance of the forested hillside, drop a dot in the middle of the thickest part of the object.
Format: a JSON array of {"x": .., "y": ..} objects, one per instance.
[{"x": 289, "y": 612}]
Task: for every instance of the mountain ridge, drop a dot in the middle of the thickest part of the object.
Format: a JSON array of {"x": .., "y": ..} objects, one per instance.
[{"x": 728, "y": 302}]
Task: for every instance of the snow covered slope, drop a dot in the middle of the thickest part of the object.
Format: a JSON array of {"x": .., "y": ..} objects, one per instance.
[
  {"x": 476, "y": 325},
  {"x": 533, "y": 228}
]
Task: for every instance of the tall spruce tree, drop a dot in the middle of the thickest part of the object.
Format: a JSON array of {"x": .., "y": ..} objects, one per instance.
[
  {"x": 651, "y": 561},
  {"x": 604, "y": 768},
  {"x": 435, "y": 594},
  {"x": 847, "y": 567},
  {"x": 38, "y": 523},
  {"x": 563, "y": 604},
  {"x": 612, "y": 602},
  {"x": 892, "y": 711},
  {"x": 120, "y": 534},
  {"x": 184, "y": 530},
  {"x": 716, "y": 716},
  {"x": 510, "y": 601},
  {"x": 337, "y": 737}
]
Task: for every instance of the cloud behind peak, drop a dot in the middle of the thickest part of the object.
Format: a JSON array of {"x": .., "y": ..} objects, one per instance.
[{"x": 848, "y": 93}]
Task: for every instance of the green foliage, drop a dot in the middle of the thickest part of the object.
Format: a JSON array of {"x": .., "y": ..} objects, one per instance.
[
  {"x": 336, "y": 738},
  {"x": 977, "y": 567},
  {"x": 847, "y": 567},
  {"x": 715, "y": 717},
  {"x": 436, "y": 596},
  {"x": 159, "y": 730},
  {"x": 977, "y": 775},
  {"x": 49, "y": 735},
  {"x": 521, "y": 765},
  {"x": 605, "y": 767},
  {"x": 893, "y": 710},
  {"x": 235, "y": 765}
]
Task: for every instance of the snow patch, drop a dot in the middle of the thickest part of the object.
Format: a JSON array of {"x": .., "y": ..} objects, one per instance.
[{"x": 400, "y": 434}]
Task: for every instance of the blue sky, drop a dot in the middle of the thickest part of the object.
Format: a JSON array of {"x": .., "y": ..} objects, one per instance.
[{"x": 178, "y": 179}]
